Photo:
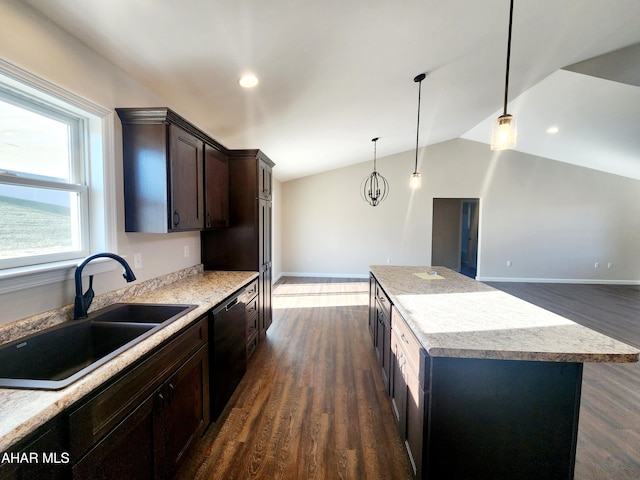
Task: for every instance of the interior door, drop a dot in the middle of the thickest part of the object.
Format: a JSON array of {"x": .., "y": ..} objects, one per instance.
[{"x": 455, "y": 234}]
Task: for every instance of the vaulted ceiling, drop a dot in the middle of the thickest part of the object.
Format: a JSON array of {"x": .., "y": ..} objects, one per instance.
[{"x": 334, "y": 73}]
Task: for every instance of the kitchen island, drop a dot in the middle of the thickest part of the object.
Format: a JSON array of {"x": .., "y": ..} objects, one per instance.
[{"x": 483, "y": 385}]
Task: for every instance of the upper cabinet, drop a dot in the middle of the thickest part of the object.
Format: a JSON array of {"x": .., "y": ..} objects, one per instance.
[
  {"x": 216, "y": 186},
  {"x": 175, "y": 176}
]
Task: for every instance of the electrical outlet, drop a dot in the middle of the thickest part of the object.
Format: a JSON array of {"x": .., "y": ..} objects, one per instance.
[
  {"x": 508, "y": 263},
  {"x": 137, "y": 260},
  {"x": 186, "y": 251},
  {"x": 596, "y": 265},
  {"x": 610, "y": 264}
]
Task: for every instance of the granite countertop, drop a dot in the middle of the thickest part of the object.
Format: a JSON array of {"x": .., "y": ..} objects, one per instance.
[
  {"x": 22, "y": 411},
  {"x": 455, "y": 316}
]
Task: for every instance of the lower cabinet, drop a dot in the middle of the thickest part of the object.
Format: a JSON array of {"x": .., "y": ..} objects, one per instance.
[
  {"x": 380, "y": 328},
  {"x": 407, "y": 394},
  {"x": 151, "y": 440},
  {"x": 39, "y": 456}
]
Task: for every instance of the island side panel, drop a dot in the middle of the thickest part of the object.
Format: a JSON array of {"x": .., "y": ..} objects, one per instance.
[{"x": 503, "y": 419}]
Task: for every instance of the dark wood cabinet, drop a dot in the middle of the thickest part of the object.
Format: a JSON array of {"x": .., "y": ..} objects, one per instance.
[
  {"x": 246, "y": 244},
  {"x": 165, "y": 160},
  {"x": 380, "y": 328},
  {"x": 372, "y": 309},
  {"x": 42, "y": 455},
  {"x": 265, "y": 262},
  {"x": 408, "y": 398},
  {"x": 185, "y": 408},
  {"x": 252, "y": 310},
  {"x": 185, "y": 180},
  {"x": 129, "y": 451},
  {"x": 216, "y": 188},
  {"x": 141, "y": 424}
]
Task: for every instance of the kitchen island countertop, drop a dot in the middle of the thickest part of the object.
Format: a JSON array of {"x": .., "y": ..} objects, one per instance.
[{"x": 455, "y": 316}]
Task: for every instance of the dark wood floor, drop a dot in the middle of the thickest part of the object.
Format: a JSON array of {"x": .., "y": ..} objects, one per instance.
[{"x": 312, "y": 404}]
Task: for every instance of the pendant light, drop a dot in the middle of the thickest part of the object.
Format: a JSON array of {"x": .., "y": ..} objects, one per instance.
[
  {"x": 505, "y": 130},
  {"x": 374, "y": 188},
  {"x": 416, "y": 182}
]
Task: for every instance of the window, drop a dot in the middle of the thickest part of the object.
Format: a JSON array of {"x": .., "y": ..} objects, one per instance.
[
  {"x": 55, "y": 175},
  {"x": 43, "y": 195}
]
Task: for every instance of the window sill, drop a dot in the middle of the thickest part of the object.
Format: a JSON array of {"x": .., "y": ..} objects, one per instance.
[{"x": 23, "y": 278}]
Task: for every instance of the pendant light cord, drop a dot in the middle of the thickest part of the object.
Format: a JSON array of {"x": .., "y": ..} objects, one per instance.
[
  {"x": 418, "y": 79},
  {"x": 375, "y": 143},
  {"x": 506, "y": 81}
]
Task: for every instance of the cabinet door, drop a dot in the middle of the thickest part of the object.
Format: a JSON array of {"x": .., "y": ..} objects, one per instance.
[
  {"x": 187, "y": 201},
  {"x": 398, "y": 384},
  {"x": 265, "y": 180},
  {"x": 383, "y": 347},
  {"x": 132, "y": 449},
  {"x": 372, "y": 309},
  {"x": 186, "y": 408},
  {"x": 264, "y": 254},
  {"x": 216, "y": 188},
  {"x": 415, "y": 419}
]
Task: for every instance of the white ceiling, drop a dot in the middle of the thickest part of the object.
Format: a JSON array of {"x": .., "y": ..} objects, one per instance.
[{"x": 334, "y": 73}]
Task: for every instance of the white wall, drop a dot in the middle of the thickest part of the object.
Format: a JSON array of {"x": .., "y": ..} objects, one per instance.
[
  {"x": 34, "y": 44},
  {"x": 552, "y": 220}
]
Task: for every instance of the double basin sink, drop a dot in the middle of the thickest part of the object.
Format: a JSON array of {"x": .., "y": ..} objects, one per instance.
[{"x": 58, "y": 356}]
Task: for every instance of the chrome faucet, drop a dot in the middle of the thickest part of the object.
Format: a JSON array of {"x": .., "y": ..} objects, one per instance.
[{"x": 83, "y": 300}]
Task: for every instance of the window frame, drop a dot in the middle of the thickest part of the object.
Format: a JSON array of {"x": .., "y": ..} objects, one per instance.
[{"x": 96, "y": 165}]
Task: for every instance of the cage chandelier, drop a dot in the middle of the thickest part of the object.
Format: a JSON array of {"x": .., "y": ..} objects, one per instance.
[{"x": 374, "y": 188}]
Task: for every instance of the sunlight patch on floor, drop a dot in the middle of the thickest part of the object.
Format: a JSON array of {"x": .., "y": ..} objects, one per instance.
[{"x": 314, "y": 295}]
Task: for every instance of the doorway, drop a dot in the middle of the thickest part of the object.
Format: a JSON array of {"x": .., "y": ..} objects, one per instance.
[{"x": 454, "y": 237}]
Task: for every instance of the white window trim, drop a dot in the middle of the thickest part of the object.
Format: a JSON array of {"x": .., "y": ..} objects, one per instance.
[{"x": 101, "y": 178}]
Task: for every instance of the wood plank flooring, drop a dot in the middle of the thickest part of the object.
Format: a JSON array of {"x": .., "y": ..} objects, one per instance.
[{"x": 312, "y": 404}]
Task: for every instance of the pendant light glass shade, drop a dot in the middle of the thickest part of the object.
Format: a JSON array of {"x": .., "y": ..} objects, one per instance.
[
  {"x": 505, "y": 133},
  {"x": 374, "y": 188},
  {"x": 415, "y": 181}
]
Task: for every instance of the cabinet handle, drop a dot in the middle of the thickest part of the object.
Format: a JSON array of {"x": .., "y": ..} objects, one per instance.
[
  {"x": 208, "y": 220},
  {"x": 176, "y": 218},
  {"x": 404, "y": 339},
  {"x": 231, "y": 304},
  {"x": 172, "y": 393},
  {"x": 160, "y": 401}
]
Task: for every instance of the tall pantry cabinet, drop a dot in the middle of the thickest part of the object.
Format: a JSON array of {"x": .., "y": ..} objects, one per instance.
[{"x": 246, "y": 243}]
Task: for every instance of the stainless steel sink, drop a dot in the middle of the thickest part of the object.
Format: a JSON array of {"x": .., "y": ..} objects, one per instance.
[{"x": 56, "y": 357}]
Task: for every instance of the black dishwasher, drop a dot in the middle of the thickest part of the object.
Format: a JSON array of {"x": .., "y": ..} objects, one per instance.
[{"x": 228, "y": 357}]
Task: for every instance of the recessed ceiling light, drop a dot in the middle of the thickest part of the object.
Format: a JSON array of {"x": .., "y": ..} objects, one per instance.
[
  {"x": 552, "y": 130},
  {"x": 248, "y": 81}
]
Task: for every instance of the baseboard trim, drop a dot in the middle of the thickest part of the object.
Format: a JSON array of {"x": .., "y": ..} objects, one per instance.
[
  {"x": 323, "y": 275},
  {"x": 590, "y": 281}
]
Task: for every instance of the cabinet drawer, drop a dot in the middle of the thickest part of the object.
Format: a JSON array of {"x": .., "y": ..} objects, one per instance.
[
  {"x": 92, "y": 420},
  {"x": 383, "y": 300},
  {"x": 252, "y": 307},
  {"x": 252, "y": 324},
  {"x": 252, "y": 343},
  {"x": 250, "y": 291},
  {"x": 416, "y": 354}
]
